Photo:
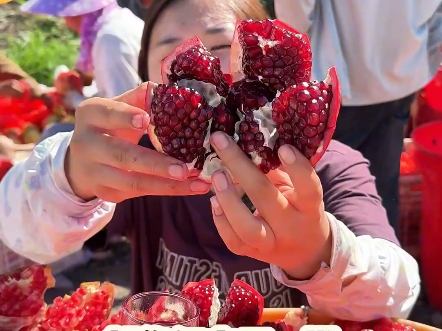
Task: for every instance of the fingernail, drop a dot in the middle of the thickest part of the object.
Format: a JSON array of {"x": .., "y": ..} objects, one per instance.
[
  {"x": 220, "y": 140},
  {"x": 199, "y": 186},
  {"x": 220, "y": 181},
  {"x": 217, "y": 210},
  {"x": 287, "y": 154},
  {"x": 138, "y": 121},
  {"x": 176, "y": 171}
]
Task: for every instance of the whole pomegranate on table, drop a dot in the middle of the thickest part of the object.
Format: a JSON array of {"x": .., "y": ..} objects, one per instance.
[{"x": 266, "y": 101}]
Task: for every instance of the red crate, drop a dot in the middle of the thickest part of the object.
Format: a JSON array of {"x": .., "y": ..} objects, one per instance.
[{"x": 410, "y": 196}]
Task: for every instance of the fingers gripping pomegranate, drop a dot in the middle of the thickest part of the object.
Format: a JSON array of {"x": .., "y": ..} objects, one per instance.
[
  {"x": 21, "y": 297},
  {"x": 271, "y": 101}
]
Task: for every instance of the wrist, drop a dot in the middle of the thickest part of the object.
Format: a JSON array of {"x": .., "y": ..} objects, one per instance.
[
  {"x": 74, "y": 177},
  {"x": 315, "y": 257}
]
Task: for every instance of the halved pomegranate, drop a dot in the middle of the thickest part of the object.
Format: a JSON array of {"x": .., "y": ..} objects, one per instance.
[
  {"x": 243, "y": 306},
  {"x": 205, "y": 295},
  {"x": 22, "y": 297},
  {"x": 86, "y": 308},
  {"x": 271, "y": 101}
]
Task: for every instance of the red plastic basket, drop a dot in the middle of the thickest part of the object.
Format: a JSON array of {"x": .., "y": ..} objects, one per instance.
[
  {"x": 428, "y": 155},
  {"x": 410, "y": 195}
]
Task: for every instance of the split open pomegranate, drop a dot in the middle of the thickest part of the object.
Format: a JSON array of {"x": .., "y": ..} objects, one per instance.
[
  {"x": 266, "y": 101},
  {"x": 22, "y": 297},
  {"x": 86, "y": 308}
]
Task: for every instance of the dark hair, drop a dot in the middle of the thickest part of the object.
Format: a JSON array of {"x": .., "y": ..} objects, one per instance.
[{"x": 243, "y": 9}]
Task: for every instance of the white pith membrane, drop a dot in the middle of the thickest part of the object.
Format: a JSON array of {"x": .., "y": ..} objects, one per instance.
[
  {"x": 214, "y": 308},
  {"x": 263, "y": 116}
]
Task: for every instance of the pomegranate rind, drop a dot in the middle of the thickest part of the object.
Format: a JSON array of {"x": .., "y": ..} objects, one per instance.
[
  {"x": 236, "y": 54},
  {"x": 304, "y": 37},
  {"x": 50, "y": 280},
  {"x": 335, "y": 105}
]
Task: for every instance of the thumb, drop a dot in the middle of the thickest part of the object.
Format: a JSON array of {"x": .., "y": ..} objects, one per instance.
[{"x": 139, "y": 97}]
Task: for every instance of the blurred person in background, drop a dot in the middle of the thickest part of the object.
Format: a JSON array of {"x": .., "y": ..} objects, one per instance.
[
  {"x": 110, "y": 43},
  {"x": 138, "y": 7},
  {"x": 384, "y": 51},
  {"x": 110, "y": 40},
  {"x": 15, "y": 82}
]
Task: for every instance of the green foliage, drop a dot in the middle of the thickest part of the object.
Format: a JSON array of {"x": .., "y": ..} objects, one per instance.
[{"x": 40, "y": 44}]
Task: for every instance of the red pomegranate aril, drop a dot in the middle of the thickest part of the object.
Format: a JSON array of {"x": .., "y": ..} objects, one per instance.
[
  {"x": 87, "y": 307},
  {"x": 22, "y": 296},
  {"x": 245, "y": 96},
  {"x": 224, "y": 119},
  {"x": 301, "y": 116},
  {"x": 274, "y": 53},
  {"x": 243, "y": 306},
  {"x": 115, "y": 319},
  {"x": 180, "y": 119},
  {"x": 199, "y": 64}
]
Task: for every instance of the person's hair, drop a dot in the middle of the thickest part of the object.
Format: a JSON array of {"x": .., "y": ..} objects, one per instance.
[{"x": 242, "y": 9}]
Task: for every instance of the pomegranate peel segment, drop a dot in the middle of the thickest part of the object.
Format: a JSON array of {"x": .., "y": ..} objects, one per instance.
[
  {"x": 50, "y": 280},
  {"x": 236, "y": 55},
  {"x": 335, "y": 105}
]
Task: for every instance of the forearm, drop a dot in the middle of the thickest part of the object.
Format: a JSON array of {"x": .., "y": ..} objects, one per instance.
[
  {"x": 40, "y": 218},
  {"x": 367, "y": 278}
]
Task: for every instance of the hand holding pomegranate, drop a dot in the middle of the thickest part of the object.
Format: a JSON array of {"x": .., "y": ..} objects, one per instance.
[
  {"x": 104, "y": 160},
  {"x": 290, "y": 228}
]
